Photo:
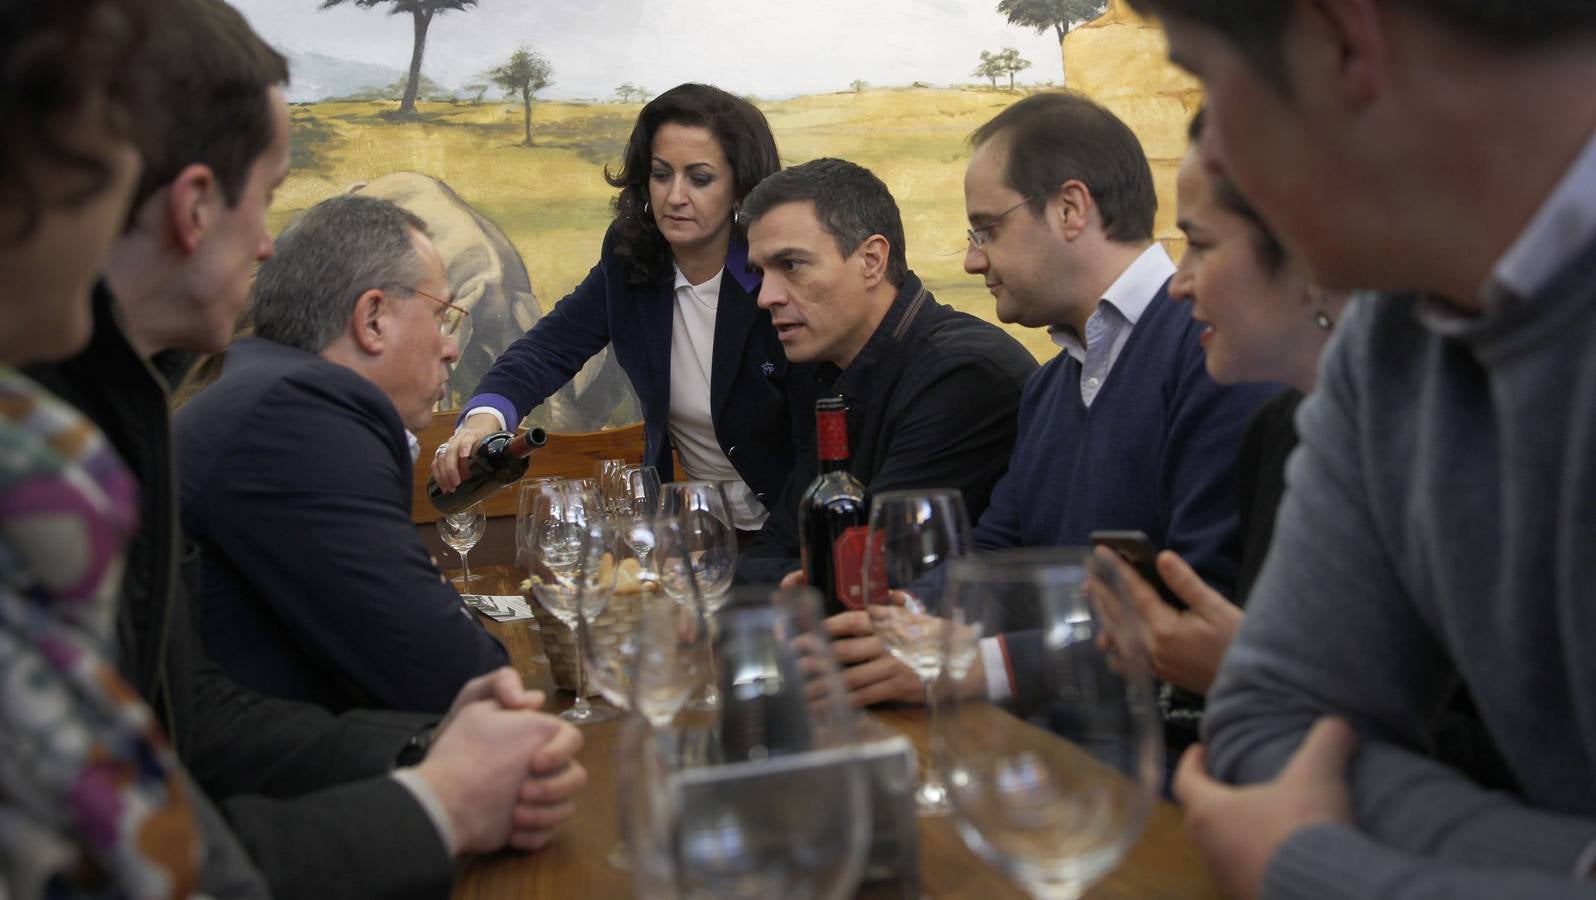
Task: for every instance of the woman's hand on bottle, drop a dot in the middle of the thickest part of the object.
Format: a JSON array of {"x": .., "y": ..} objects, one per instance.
[{"x": 453, "y": 459}]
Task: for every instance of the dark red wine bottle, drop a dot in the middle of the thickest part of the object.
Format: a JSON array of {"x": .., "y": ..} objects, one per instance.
[
  {"x": 833, "y": 515},
  {"x": 501, "y": 459}
]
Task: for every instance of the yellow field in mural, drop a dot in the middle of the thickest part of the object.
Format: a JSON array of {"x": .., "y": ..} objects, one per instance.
[{"x": 552, "y": 201}]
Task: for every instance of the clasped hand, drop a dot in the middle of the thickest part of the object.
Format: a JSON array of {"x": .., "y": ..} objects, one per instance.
[{"x": 505, "y": 771}]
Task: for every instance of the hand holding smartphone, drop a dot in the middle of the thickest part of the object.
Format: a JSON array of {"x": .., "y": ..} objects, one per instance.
[{"x": 1135, "y": 548}]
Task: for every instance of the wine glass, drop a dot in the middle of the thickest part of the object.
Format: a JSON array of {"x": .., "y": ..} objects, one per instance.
[
  {"x": 461, "y": 531},
  {"x": 525, "y": 549},
  {"x": 699, "y": 568},
  {"x": 912, "y": 533},
  {"x": 640, "y": 488},
  {"x": 1055, "y": 780},
  {"x": 771, "y": 801},
  {"x": 645, "y": 651},
  {"x": 641, "y": 504},
  {"x": 695, "y": 560},
  {"x": 564, "y": 514},
  {"x": 607, "y": 472}
]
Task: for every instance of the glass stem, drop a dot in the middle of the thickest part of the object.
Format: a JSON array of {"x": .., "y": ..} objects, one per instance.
[
  {"x": 933, "y": 775},
  {"x": 581, "y": 704},
  {"x": 465, "y": 567}
]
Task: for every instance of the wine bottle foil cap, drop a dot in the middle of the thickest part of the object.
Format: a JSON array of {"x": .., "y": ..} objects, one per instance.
[{"x": 831, "y": 432}]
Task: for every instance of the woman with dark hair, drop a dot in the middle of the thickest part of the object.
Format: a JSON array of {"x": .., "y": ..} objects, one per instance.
[
  {"x": 93, "y": 801},
  {"x": 673, "y": 295},
  {"x": 1265, "y": 321}
]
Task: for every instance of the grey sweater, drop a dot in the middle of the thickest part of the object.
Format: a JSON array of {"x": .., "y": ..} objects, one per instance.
[{"x": 1439, "y": 524}]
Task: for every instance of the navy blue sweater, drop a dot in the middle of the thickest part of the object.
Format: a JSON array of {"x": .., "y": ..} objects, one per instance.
[{"x": 1156, "y": 451}]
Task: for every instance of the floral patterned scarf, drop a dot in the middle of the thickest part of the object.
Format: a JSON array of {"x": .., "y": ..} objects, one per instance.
[{"x": 93, "y": 802}]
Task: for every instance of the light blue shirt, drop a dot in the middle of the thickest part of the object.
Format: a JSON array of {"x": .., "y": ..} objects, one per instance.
[{"x": 1117, "y": 312}]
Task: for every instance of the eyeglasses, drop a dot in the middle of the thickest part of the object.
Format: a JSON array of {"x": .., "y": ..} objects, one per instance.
[
  {"x": 980, "y": 234},
  {"x": 453, "y": 316}
]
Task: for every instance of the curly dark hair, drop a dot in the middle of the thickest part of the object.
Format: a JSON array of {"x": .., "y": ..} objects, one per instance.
[
  {"x": 744, "y": 137},
  {"x": 56, "y": 58}
]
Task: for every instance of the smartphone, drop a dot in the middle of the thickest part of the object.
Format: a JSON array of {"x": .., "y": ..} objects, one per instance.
[{"x": 1135, "y": 548}]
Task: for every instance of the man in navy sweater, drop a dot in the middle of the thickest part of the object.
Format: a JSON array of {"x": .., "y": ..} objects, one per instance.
[{"x": 1124, "y": 429}]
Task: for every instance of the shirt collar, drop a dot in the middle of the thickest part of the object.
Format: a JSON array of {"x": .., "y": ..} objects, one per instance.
[
  {"x": 710, "y": 287},
  {"x": 900, "y": 317},
  {"x": 1565, "y": 224},
  {"x": 1129, "y": 295},
  {"x": 415, "y": 446}
]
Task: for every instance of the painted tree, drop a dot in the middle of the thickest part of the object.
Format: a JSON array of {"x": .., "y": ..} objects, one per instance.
[
  {"x": 1009, "y": 62},
  {"x": 627, "y": 92},
  {"x": 989, "y": 68},
  {"x": 1059, "y": 15},
  {"x": 421, "y": 13},
  {"x": 525, "y": 74}
]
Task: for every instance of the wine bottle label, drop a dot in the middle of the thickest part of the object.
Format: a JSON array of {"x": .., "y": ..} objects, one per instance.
[
  {"x": 847, "y": 566},
  {"x": 831, "y": 432},
  {"x": 875, "y": 580}
]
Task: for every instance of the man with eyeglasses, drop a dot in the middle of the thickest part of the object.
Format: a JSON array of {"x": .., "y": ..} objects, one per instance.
[
  {"x": 297, "y": 469},
  {"x": 1124, "y": 430}
]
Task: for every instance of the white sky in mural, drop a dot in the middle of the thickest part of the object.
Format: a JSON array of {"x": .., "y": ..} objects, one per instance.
[{"x": 769, "y": 48}]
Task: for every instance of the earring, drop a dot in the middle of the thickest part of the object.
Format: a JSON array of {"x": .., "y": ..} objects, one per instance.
[
  {"x": 645, "y": 206},
  {"x": 737, "y": 215},
  {"x": 1322, "y": 319}
]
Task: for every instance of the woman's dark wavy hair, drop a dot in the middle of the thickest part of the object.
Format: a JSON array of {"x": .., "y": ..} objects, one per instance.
[
  {"x": 1264, "y": 242},
  {"x": 744, "y": 137},
  {"x": 56, "y": 56}
]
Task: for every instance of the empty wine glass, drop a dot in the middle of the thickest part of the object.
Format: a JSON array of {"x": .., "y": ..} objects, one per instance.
[
  {"x": 912, "y": 533},
  {"x": 461, "y": 531},
  {"x": 607, "y": 473},
  {"x": 525, "y": 549},
  {"x": 641, "y": 504},
  {"x": 699, "y": 569},
  {"x": 770, "y": 802},
  {"x": 696, "y": 559},
  {"x": 1050, "y": 740},
  {"x": 564, "y": 514},
  {"x": 645, "y": 651}
]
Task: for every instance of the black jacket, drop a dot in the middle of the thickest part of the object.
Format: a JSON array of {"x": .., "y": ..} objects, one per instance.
[
  {"x": 303, "y": 789},
  {"x": 933, "y": 398}
]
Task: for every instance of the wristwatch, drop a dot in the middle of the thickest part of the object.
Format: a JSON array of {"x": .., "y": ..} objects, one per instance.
[{"x": 415, "y": 749}]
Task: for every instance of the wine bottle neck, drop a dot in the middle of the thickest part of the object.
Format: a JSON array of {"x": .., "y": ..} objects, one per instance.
[
  {"x": 831, "y": 432},
  {"x": 525, "y": 442}
]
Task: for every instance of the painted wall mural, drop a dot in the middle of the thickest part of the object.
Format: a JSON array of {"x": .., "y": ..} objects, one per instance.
[{"x": 500, "y": 139}]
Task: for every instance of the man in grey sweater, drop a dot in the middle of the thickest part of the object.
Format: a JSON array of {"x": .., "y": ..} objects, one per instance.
[{"x": 1440, "y": 518}]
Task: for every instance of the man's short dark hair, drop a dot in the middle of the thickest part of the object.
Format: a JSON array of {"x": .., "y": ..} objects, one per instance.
[
  {"x": 1059, "y": 136},
  {"x": 58, "y": 56},
  {"x": 212, "y": 73},
  {"x": 339, "y": 249},
  {"x": 1256, "y": 27},
  {"x": 850, "y": 201}
]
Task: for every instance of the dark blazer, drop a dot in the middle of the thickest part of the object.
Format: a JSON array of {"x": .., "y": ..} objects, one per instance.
[
  {"x": 303, "y": 789},
  {"x": 296, "y": 483},
  {"x": 758, "y": 409}
]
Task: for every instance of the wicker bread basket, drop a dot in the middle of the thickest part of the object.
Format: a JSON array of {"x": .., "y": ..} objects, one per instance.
[{"x": 611, "y": 626}]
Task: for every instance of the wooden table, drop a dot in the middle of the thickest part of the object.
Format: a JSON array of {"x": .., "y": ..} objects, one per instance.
[{"x": 1162, "y": 864}]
